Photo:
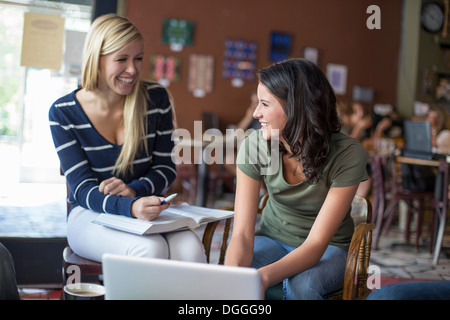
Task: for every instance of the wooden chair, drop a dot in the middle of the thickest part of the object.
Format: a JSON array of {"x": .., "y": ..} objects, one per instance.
[
  {"x": 358, "y": 257},
  {"x": 388, "y": 192},
  {"x": 211, "y": 227}
]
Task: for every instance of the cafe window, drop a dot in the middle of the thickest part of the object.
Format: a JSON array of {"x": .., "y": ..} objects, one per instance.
[{"x": 27, "y": 92}]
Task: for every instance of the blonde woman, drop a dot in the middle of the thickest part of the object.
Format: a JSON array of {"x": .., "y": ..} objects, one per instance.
[{"x": 113, "y": 138}]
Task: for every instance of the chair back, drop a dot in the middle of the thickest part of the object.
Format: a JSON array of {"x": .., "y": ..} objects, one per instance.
[
  {"x": 361, "y": 212},
  {"x": 358, "y": 257}
]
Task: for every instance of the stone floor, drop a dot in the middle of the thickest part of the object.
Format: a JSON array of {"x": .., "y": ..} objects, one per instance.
[{"x": 398, "y": 259}]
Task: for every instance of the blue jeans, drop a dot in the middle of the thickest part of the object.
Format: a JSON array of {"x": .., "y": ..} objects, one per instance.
[
  {"x": 418, "y": 290},
  {"x": 326, "y": 277}
]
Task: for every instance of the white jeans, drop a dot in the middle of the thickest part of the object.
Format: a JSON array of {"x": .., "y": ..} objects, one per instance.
[{"x": 91, "y": 241}]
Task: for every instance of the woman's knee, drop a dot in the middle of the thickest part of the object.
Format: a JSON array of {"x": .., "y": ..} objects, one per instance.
[
  {"x": 185, "y": 246},
  {"x": 152, "y": 246}
]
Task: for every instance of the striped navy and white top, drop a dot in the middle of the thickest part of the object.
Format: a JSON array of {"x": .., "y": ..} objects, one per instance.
[{"x": 87, "y": 158}]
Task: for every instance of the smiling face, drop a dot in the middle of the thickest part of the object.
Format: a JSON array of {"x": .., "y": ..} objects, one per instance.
[
  {"x": 270, "y": 113},
  {"x": 120, "y": 70}
]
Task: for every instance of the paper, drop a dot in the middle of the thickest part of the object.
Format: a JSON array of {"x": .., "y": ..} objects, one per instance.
[
  {"x": 174, "y": 218},
  {"x": 42, "y": 42},
  {"x": 74, "y": 52}
]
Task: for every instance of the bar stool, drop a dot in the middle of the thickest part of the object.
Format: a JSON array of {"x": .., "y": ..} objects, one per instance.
[
  {"x": 388, "y": 193},
  {"x": 440, "y": 203}
]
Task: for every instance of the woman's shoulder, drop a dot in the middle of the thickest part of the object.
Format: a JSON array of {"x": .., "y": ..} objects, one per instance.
[
  {"x": 341, "y": 140},
  {"x": 155, "y": 90},
  {"x": 343, "y": 145},
  {"x": 65, "y": 104},
  {"x": 66, "y": 100},
  {"x": 158, "y": 95}
]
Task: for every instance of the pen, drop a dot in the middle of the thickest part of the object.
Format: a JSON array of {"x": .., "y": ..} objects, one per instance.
[{"x": 169, "y": 198}]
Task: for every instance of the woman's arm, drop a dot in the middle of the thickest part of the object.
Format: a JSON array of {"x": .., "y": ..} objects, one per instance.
[
  {"x": 329, "y": 219},
  {"x": 240, "y": 249}
]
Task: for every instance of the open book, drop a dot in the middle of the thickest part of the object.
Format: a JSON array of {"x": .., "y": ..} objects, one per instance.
[{"x": 176, "y": 217}]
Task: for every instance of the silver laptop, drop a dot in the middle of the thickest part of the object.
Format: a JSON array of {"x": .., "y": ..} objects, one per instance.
[{"x": 133, "y": 278}]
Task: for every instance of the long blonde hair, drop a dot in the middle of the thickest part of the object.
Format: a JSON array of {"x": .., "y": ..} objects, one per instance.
[{"x": 108, "y": 34}]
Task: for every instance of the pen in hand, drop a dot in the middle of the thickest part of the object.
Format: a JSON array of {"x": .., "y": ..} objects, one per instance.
[{"x": 169, "y": 198}]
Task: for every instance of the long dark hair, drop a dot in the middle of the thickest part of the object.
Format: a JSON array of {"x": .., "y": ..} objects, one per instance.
[{"x": 310, "y": 106}]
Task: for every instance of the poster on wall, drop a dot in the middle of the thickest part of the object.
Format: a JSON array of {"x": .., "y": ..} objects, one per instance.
[
  {"x": 177, "y": 33},
  {"x": 239, "y": 61},
  {"x": 42, "y": 41},
  {"x": 337, "y": 76},
  {"x": 311, "y": 54},
  {"x": 164, "y": 69},
  {"x": 201, "y": 74},
  {"x": 280, "y": 46}
]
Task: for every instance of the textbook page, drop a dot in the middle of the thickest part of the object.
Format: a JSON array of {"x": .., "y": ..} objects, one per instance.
[{"x": 174, "y": 218}]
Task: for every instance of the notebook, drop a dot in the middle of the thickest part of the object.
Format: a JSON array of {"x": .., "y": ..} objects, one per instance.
[
  {"x": 418, "y": 141},
  {"x": 134, "y": 278}
]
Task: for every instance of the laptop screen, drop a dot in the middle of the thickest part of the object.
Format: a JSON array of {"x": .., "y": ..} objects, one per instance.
[
  {"x": 417, "y": 136},
  {"x": 135, "y": 278}
]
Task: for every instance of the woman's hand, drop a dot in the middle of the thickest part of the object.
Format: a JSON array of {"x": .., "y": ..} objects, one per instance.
[
  {"x": 148, "y": 208},
  {"x": 116, "y": 187}
]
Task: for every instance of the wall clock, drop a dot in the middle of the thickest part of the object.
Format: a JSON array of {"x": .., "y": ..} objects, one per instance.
[{"x": 432, "y": 17}]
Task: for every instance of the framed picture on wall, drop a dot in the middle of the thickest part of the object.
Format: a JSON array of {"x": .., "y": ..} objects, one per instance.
[
  {"x": 311, "y": 54},
  {"x": 280, "y": 46},
  {"x": 201, "y": 74},
  {"x": 337, "y": 76},
  {"x": 164, "y": 69},
  {"x": 177, "y": 33},
  {"x": 239, "y": 61}
]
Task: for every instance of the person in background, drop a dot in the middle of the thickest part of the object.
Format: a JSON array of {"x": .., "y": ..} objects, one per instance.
[
  {"x": 248, "y": 122},
  {"x": 360, "y": 121},
  {"x": 113, "y": 139},
  {"x": 345, "y": 112},
  {"x": 8, "y": 285},
  {"x": 305, "y": 227},
  {"x": 440, "y": 135},
  {"x": 356, "y": 122}
]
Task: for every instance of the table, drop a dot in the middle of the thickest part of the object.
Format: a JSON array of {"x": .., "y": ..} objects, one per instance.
[
  {"x": 441, "y": 205},
  {"x": 203, "y": 145},
  {"x": 422, "y": 162}
]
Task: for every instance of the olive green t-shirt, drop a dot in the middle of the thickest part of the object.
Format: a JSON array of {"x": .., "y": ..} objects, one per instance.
[{"x": 292, "y": 209}]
